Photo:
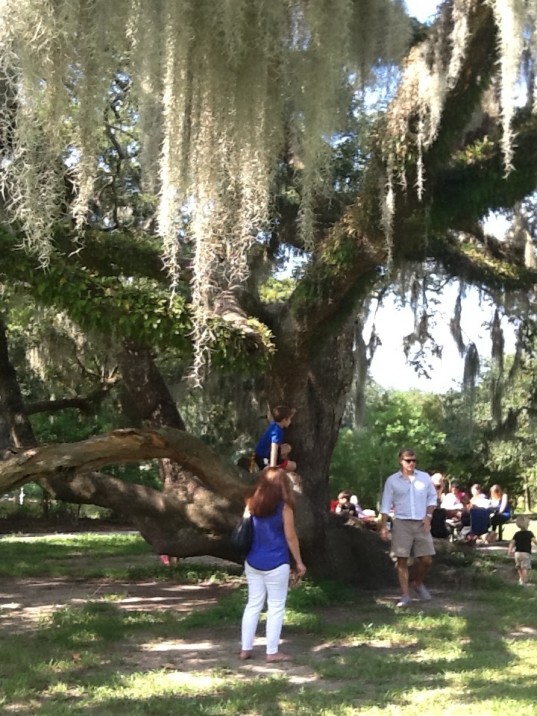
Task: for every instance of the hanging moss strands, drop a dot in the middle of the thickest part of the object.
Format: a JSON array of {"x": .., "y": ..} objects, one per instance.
[
  {"x": 455, "y": 323},
  {"x": 498, "y": 342},
  {"x": 216, "y": 95},
  {"x": 221, "y": 88},
  {"x": 471, "y": 367},
  {"x": 432, "y": 69},
  {"x": 512, "y": 17}
]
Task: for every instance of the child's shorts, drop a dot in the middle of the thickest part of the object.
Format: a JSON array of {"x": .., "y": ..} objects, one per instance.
[
  {"x": 523, "y": 560},
  {"x": 263, "y": 462}
]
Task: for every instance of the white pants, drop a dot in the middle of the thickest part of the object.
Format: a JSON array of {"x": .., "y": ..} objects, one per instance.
[{"x": 272, "y": 585}]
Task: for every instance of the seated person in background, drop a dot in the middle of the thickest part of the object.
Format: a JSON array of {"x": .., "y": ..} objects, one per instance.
[
  {"x": 459, "y": 524},
  {"x": 439, "y": 529},
  {"x": 438, "y": 482},
  {"x": 500, "y": 512},
  {"x": 479, "y": 514},
  {"x": 354, "y": 500},
  {"x": 451, "y": 502},
  {"x": 479, "y": 524},
  {"x": 368, "y": 517},
  {"x": 478, "y": 498},
  {"x": 345, "y": 506}
]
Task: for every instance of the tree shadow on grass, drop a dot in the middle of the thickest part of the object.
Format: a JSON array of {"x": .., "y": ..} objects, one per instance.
[{"x": 95, "y": 658}]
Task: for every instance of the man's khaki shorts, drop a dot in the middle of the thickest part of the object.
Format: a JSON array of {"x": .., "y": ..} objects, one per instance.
[
  {"x": 410, "y": 539},
  {"x": 523, "y": 560}
]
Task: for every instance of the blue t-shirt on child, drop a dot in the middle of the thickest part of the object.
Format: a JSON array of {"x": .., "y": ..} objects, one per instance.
[{"x": 273, "y": 434}]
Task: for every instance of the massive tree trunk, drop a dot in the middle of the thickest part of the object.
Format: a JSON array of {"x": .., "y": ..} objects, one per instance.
[
  {"x": 11, "y": 401},
  {"x": 315, "y": 379}
]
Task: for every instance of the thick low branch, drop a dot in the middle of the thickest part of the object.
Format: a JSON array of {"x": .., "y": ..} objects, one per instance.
[
  {"x": 173, "y": 523},
  {"x": 183, "y": 527},
  {"x": 124, "y": 446}
]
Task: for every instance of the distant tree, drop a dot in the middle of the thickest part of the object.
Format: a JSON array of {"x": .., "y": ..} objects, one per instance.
[
  {"x": 491, "y": 433},
  {"x": 365, "y": 456}
]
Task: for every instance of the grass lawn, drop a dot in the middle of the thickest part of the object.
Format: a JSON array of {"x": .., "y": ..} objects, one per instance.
[{"x": 95, "y": 626}]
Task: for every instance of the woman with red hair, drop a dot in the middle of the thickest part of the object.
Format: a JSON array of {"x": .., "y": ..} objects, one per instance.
[{"x": 267, "y": 565}]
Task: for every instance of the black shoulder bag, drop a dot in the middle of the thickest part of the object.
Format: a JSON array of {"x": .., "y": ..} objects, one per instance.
[{"x": 242, "y": 535}]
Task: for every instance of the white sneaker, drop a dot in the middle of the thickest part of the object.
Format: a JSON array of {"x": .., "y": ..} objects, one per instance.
[{"x": 423, "y": 593}]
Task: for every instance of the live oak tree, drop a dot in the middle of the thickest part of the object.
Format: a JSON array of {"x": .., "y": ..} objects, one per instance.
[{"x": 235, "y": 122}]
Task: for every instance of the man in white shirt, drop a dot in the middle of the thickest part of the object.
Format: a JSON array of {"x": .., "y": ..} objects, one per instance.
[{"x": 411, "y": 495}]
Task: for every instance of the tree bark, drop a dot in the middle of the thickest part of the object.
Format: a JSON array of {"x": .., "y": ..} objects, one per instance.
[{"x": 11, "y": 402}]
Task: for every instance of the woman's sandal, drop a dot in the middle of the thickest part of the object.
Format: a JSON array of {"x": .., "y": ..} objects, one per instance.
[
  {"x": 244, "y": 655},
  {"x": 279, "y": 656}
]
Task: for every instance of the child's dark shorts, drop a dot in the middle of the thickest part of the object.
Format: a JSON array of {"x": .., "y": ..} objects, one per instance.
[{"x": 262, "y": 462}]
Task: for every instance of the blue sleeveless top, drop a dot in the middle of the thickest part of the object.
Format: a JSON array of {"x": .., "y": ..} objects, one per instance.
[{"x": 269, "y": 546}]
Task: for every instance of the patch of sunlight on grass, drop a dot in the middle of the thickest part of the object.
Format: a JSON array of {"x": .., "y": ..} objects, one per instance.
[
  {"x": 62, "y": 689},
  {"x": 116, "y": 597},
  {"x": 456, "y": 707},
  {"x": 200, "y": 647},
  {"x": 157, "y": 693},
  {"x": 76, "y": 555},
  {"x": 301, "y": 620},
  {"x": 464, "y": 707},
  {"x": 416, "y": 648},
  {"x": 84, "y": 541},
  {"x": 298, "y": 707},
  {"x": 144, "y": 685},
  {"x": 442, "y": 631},
  {"x": 523, "y": 660},
  {"x": 395, "y": 641}
]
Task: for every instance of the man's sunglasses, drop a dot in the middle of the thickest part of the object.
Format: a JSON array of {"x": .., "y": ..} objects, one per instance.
[{"x": 409, "y": 459}]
